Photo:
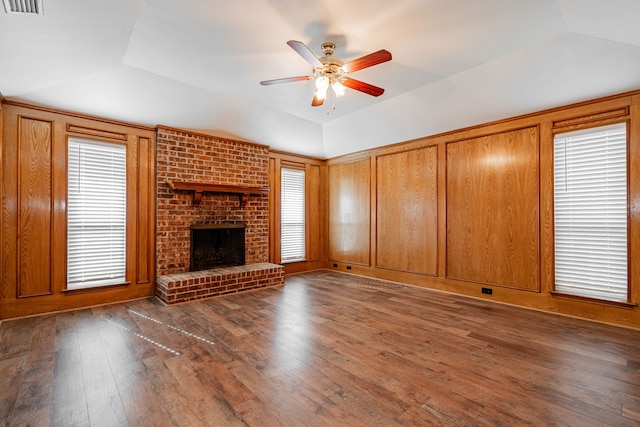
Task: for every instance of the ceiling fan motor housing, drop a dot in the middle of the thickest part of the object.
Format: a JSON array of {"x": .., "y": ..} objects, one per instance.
[
  {"x": 328, "y": 48},
  {"x": 332, "y": 66}
]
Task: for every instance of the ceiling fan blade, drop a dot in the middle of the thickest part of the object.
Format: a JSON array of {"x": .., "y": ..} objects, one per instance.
[
  {"x": 362, "y": 87},
  {"x": 372, "y": 59},
  {"x": 317, "y": 101},
  {"x": 285, "y": 80},
  {"x": 305, "y": 52}
]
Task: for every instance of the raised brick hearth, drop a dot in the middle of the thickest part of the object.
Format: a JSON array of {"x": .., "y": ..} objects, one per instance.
[
  {"x": 177, "y": 288},
  {"x": 184, "y": 156}
]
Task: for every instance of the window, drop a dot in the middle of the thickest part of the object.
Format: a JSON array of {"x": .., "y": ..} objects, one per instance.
[
  {"x": 96, "y": 214},
  {"x": 590, "y": 192},
  {"x": 292, "y": 215}
]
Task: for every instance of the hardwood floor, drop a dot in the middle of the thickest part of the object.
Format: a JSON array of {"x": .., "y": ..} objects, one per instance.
[{"x": 327, "y": 349}]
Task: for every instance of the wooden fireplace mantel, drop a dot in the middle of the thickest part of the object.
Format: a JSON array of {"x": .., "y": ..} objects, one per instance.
[{"x": 198, "y": 188}]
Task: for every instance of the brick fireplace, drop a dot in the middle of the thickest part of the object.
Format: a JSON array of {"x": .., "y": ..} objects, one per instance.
[{"x": 184, "y": 156}]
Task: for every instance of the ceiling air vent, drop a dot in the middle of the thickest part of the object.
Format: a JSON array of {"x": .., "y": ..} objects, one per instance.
[{"x": 23, "y": 6}]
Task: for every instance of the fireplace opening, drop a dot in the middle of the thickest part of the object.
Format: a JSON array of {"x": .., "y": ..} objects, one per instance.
[{"x": 216, "y": 245}]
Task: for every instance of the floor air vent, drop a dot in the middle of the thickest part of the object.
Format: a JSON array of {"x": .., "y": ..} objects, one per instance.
[{"x": 23, "y": 6}]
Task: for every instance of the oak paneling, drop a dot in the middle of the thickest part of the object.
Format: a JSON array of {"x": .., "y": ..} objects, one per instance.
[
  {"x": 407, "y": 211},
  {"x": 1, "y": 185},
  {"x": 274, "y": 210},
  {"x": 35, "y": 201},
  {"x": 547, "y": 249},
  {"x": 592, "y": 120},
  {"x": 145, "y": 213},
  {"x": 492, "y": 210},
  {"x": 349, "y": 212},
  {"x": 634, "y": 200},
  {"x": 315, "y": 201},
  {"x": 34, "y": 190},
  {"x": 313, "y": 210},
  {"x": 93, "y": 132},
  {"x": 493, "y": 227},
  {"x": 8, "y": 206},
  {"x": 9, "y": 224}
]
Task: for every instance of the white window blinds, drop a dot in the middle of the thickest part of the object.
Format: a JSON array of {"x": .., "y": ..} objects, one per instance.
[
  {"x": 590, "y": 179},
  {"x": 292, "y": 215},
  {"x": 96, "y": 214}
]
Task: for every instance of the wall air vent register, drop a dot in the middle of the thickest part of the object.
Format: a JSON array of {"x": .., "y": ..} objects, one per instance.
[{"x": 33, "y": 7}]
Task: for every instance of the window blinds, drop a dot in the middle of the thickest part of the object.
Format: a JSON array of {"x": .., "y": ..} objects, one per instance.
[
  {"x": 292, "y": 215},
  {"x": 96, "y": 214},
  {"x": 590, "y": 189}
]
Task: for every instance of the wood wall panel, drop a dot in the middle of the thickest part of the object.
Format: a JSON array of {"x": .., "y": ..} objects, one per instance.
[
  {"x": 35, "y": 206},
  {"x": 59, "y": 218},
  {"x": 33, "y": 187},
  {"x": 7, "y": 182},
  {"x": 274, "y": 210},
  {"x": 9, "y": 224},
  {"x": 314, "y": 207},
  {"x": 492, "y": 210},
  {"x": 501, "y": 231},
  {"x": 349, "y": 212},
  {"x": 145, "y": 215},
  {"x": 547, "y": 244},
  {"x": 1, "y": 214},
  {"x": 315, "y": 201},
  {"x": 407, "y": 211},
  {"x": 634, "y": 200}
]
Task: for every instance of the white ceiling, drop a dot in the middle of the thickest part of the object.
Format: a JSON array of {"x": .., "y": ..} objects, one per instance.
[{"x": 197, "y": 64}]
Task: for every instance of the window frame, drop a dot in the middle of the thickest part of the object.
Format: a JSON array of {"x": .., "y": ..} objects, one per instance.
[
  {"x": 115, "y": 281},
  {"x": 303, "y": 171},
  {"x": 586, "y": 128}
]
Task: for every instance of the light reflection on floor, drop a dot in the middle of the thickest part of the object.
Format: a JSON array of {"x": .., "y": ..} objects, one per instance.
[{"x": 293, "y": 327}]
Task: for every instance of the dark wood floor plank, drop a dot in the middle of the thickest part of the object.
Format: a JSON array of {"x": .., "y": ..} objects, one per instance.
[
  {"x": 271, "y": 394},
  {"x": 102, "y": 397},
  {"x": 326, "y": 349},
  {"x": 16, "y": 340},
  {"x": 326, "y": 411},
  {"x": 177, "y": 409},
  {"x": 34, "y": 392},
  {"x": 69, "y": 400},
  {"x": 138, "y": 401},
  {"x": 211, "y": 406},
  {"x": 11, "y": 374}
]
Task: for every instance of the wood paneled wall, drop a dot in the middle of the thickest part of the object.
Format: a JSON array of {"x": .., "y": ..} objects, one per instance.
[
  {"x": 33, "y": 184},
  {"x": 458, "y": 212},
  {"x": 473, "y": 209},
  {"x": 492, "y": 209},
  {"x": 407, "y": 211},
  {"x": 349, "y": 212},
  {"x": 316, "y": 203},
  {"x": 1, "y": 207}
]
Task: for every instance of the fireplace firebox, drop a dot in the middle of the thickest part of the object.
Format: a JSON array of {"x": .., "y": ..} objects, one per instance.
[{"x": 217, "y": 245}]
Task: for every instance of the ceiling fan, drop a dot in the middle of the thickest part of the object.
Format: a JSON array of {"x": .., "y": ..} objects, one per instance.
[{"x": 329, "y": 71}]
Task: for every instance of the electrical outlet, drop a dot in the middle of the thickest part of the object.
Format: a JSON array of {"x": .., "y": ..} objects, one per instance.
[{"x": 487, "y": 291}]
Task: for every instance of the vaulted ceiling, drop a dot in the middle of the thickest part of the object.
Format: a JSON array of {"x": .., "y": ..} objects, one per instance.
[{"x": 197, "y": 64}]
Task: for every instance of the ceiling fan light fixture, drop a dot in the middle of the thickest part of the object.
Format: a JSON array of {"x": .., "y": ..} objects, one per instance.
[
  {"x": 322, "y": 85},
  {"x": 322, "y": 82},
  {"x": 338, "y": 88},
  {"x": 333, "y": 72}
]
